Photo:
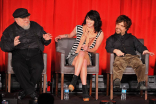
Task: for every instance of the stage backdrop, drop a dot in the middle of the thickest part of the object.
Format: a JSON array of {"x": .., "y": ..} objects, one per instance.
[{"x": 61, "y": 16}]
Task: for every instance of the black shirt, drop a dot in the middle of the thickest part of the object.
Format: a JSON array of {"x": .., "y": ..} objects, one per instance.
[
  {"x": 127, "y": 43},
  {"x": 31, "y": 38}
]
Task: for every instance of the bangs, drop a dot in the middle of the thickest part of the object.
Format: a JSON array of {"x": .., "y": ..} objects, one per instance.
[
  {"x": 94, "y": 16},
  {"x": 91, "y": 16}
]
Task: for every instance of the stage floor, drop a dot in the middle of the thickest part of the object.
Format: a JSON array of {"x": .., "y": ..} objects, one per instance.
[{"x": 76, "y": 98}]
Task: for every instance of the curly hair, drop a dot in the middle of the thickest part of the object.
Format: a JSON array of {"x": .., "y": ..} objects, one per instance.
[
  {"x": 95, "y": 16},
  {"x": 127, "y": 21}
]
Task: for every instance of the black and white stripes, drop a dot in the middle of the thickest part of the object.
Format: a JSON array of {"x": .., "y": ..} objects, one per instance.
[{"x": 79, "y": 31}]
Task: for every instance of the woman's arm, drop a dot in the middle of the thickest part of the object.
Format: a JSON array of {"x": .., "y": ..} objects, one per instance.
[
  {"x": 72, "y": 34},
  {"x": 98, "y": 42}
]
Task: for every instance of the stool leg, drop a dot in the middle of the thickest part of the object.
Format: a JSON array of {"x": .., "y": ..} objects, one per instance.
[
  {"x": 62, "y": 84},
  {"x": 146, "y": 78},
  {"x": 90, "y": 88},
  {"x": 9, "y": 82},
  {"x": 107, "y": 92},
  {"x": 111, "y": 87},
  {"x": 96, "y": 86}
]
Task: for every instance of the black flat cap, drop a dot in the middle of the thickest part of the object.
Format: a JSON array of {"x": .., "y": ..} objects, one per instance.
[{"x": 21, "y": 12}]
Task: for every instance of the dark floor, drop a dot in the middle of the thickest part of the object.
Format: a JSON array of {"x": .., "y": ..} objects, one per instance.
[
  {"x": 76, "y": 98},
  {"x": 131, "y": 99}
]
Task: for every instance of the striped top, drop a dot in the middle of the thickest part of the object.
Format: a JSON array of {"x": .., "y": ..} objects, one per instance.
[{"x": 79, "y": 32}]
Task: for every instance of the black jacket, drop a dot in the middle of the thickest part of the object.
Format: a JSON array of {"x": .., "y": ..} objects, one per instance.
[
  {"x": 31, "y": 38},
  {"x": 127, "y": 43}
]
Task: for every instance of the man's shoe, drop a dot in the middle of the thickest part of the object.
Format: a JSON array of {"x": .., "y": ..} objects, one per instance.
[
  {"x": 34, "y": 96},
  {"x": 141, "y": 86},
  {"x": 117, "y": 83},
  {"x": 21, "y": 95}
]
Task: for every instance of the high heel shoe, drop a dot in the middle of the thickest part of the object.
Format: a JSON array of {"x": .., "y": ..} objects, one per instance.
[
  {"x": 85, "y": 93},
  {"x": 73, "y": 83}
]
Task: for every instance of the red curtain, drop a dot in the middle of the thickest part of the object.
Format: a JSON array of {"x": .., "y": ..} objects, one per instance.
[
  {"x": 61, "y": 16},
  {"x": 142, "y": 13}
]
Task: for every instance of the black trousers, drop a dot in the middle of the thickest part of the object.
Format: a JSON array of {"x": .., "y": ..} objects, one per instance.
[{"x": 28, "y": 66}]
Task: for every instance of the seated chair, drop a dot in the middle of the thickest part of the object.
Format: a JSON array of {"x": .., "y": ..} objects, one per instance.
[
  {"x": 10, "y": 71},
  {"x": 129, "y": 70},
  {"x": 63, "y": 47}
]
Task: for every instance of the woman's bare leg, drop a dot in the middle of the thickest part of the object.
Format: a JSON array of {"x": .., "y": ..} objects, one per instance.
[
  {"x": 78, "y": 62},
  {"x": 83, "y": 73}
]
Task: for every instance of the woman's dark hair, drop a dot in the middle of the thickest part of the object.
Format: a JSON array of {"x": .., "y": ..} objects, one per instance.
[
  {"x": 95, "y": 16},
  {"x": 125, "y": 19}
]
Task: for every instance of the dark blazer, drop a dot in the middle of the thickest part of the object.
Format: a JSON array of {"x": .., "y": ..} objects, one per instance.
[{"x": 34, "y": 34}]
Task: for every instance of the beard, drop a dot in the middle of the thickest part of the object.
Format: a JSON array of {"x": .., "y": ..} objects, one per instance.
[
  {"x": 26, "y": 27},
  {"x": 118, "y": 32}
]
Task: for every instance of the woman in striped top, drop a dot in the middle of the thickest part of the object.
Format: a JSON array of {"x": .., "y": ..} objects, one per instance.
[{"x": 89, "y": 36}]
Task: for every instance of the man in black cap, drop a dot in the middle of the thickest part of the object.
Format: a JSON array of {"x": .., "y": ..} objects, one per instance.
[{"x": 26, "y": 40}]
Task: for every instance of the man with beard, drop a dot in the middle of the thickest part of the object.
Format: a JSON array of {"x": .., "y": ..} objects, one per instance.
[
  {"x": 26, "y": 40},
  {"x": 124, "y": 46}
]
